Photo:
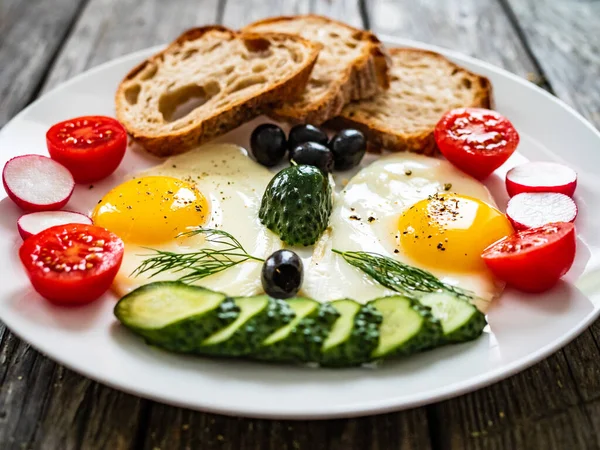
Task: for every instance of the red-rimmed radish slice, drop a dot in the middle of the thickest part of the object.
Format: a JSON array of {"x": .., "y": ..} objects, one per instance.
[
  {"x": 541, "y": 176},
  {"x": 37, "y": 183},
  {"x": 35, "y": 222},
  {"x": 535, "y": 209}
]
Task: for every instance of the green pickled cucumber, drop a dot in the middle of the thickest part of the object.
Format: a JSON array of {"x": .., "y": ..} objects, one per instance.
[
  {"x": 407, "y": 327},
  {"x": 174, "y": 315},
  {"x": 461, "y": 321},
  {"x": 301, "y": 340},
  {"x": 354, "y": 335},
  {"x": 259, "y": 316},
  {"x": 296, "y": 204}
]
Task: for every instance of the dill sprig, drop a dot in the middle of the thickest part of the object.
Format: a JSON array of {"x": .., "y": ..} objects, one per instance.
[
  {"x": 408, "y": 280},
  {"x": 226, "y": 252}
]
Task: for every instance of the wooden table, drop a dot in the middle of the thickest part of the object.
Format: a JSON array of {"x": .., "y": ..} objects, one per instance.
[{"x": 554, "y": 405}]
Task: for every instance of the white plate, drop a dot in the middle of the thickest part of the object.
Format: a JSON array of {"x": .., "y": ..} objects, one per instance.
[{"x": 524, "y": 329}]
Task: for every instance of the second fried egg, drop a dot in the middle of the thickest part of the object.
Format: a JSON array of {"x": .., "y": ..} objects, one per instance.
[{"x": 418, "y": 210}]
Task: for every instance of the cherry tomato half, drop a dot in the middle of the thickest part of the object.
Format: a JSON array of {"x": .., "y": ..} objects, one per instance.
[
  {"x": 72, "y": 264},
  {"x": 476, "y": 140},
  {"x": 533, "y": 260},
  {"x": 91, "y": 147}
]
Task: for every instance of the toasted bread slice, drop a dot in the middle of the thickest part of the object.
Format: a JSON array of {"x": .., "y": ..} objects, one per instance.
[
  {"x": 221, "y": 78},
  {"x": 352, "y": 65},
  {"x": 424, "y": 86}
]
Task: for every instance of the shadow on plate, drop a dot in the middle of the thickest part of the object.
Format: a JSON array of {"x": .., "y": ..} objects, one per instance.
[
  {"x": 9, "y": 214},
  {"x": 27, "y": 304}
]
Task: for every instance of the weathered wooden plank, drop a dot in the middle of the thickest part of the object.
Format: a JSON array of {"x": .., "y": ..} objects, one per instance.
[
  {"x": 26, "y": 379},
  {"x": 238, "y": 13},
  {"x": 584, "y": 364},
  {"x": 564, "y": 37},
  {"x": 549, "y": 432},
  {"x": 30, "y": 34},
  {"x": 80, "y": 413},
  {"x": 347, "y": 11},
  {"x": 43, "y": 405},
  {"x": 111, "y": 28},
  {"x": 540, "y": 408},
  {"x": 188, "y": 429},
  {"x": 478, "y": 28}
]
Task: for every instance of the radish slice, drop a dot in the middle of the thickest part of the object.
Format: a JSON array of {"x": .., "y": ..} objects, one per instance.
[
  {"x": 534, "y": 209},
  {"x": 37, "y": 183},
  {"x": 33, "y": 223},
  {"x": 541, "y": 176}
]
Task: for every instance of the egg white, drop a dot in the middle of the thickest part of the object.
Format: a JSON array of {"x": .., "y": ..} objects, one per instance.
[
  {"x": 233, "y": 185},
  {"x": 365, "y": 217}
]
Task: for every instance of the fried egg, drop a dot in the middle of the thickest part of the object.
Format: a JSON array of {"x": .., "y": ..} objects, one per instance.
[
  {"x": 418, "y": 210},
  {"x": 214, "y": 186}
]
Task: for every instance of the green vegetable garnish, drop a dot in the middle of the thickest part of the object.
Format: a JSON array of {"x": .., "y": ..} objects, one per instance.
[
  {"x": 296, "y": 204},
  {"x": 197, "y": 265},
  {"x": 408, "y": 280}
]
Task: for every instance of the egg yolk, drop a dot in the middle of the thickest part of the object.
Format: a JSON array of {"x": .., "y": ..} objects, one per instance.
[
  {"x": 449, "y": 231},
  {"x": 151, "y": 210}
]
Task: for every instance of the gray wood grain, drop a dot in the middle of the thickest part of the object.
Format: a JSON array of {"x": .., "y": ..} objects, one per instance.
[
  {"x": 564, "y": 37},
  {"x": 80, "y": 413},
  {"x": 31, "y": 33},
  {"x": 188, "y": 429},
  {"x": 537, "y": 409},
  {"x": 347, "y": 11},
  {"x": 26, "y": 379},
  {"x": 478, "y": 28},
  {"x": 238, "y": 13},
  {"x": 111, "y": 28}
]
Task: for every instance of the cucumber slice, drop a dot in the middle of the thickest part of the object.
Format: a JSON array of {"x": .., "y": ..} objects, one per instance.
[
  {"x": 354, "y": 335},
  {"x": 300, "y": 340},
  {"x": 259, "y": 316},
  {"x": 461, "y": 321},
  {"x": 173, "y": 315},
  {"x": 406, "y": 328}
]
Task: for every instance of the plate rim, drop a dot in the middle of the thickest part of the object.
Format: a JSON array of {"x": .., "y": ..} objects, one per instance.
[{"x": 361, "y": 409}]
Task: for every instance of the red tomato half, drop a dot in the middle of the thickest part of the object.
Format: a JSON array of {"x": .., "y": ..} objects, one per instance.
[
  {"x": 476, "y": 140},
  {"x": 72, "y": 264},
  {"x": 90, "y": 147},
  {"x": 533, "y": 260}
]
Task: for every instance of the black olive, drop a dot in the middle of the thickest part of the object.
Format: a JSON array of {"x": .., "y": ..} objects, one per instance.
[
  {"x": 348, "y": 148},
  {"x": 313, "y": 154},
  {"x": 268, "y": 144},
  {"x": 300, "y": 134},
  {"x": 282, "y": 274}
]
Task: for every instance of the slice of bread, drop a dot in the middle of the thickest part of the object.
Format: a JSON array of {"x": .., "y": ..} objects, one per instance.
[
  {"x": 209, "y": 81},
  {"x": 424, "y": 86},
  {"x": 352, "y": 65}
]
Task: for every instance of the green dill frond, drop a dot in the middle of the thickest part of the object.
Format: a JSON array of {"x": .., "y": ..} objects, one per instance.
[
  {"x": 225, "y": 252},
  {"x": 403, "y": 278}
]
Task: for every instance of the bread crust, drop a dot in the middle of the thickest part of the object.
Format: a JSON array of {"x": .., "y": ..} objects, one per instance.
[
  {"x": 183, "y": 139},
  {"x": 380, "y": 137},
  {"x": 368, "y": 75}
]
